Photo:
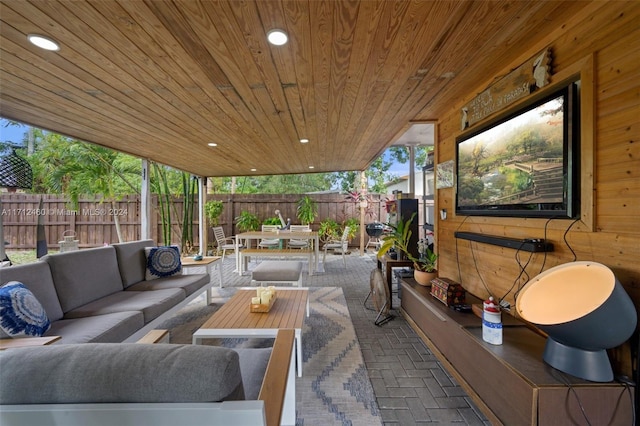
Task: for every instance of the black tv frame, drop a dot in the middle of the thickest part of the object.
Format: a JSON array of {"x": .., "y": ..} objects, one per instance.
[{"x": 569, "y": 207}]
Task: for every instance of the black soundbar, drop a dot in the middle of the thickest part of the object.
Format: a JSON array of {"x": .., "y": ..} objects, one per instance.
[{"x": 527, "y": 244}]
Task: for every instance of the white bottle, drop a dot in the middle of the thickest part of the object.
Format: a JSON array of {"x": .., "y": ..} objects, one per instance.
[{"x": 491, "y": 323}]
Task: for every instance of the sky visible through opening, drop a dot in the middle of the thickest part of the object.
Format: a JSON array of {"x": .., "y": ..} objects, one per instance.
[{"x": 17, "y": 133}]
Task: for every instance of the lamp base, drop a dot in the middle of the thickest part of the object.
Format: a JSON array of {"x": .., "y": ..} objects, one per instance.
[{"x": 585, "y": 364}]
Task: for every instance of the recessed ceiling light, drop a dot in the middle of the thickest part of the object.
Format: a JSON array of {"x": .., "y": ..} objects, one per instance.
[
  {"x": 277, "y": 37},
  {"x": 212, "y": 144},
  {"x": 304, "y": 140},
  {"x": 253, "y": 170},
  {"x": 311, "y": 167},
  {"x": 43, "y": 42}
]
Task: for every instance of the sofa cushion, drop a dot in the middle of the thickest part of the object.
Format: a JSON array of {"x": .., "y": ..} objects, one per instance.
[
  {"x": 253, "y": 364},
  {"x": 281, "y": 270},
  {"x": 36, "y": 277},
  {"x": 21, "y": 314},
  {"x": 132, "y": 261},
  {"x": 113, "y": 373},
  {"x": 162, "y": 262},
  {"x": 83, "y": 276},
  {"x": 189, "y": 283},
  {"x": 152, "y": 304},
  {"x": 109, "y": 328}
]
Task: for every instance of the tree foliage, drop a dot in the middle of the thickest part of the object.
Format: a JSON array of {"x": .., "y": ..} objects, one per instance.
[
  {"x": 285, "y": 184},
  {"x": 56, "y": 158},
  {"x": 63, "y": 165}
]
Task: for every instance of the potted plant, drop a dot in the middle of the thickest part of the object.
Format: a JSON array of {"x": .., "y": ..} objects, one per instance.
[{"x": 424, "y": 267}]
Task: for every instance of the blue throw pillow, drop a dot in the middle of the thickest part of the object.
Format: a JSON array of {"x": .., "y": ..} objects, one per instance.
[
  {"x": 21, "y": 314},
  {"x": 162, "y": 262}
]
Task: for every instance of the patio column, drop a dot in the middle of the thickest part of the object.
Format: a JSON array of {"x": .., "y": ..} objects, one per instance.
[
  {"x": 412, "y": 169},
  {"x": 145, "y": 202},
  {"x": 202, "y": 221},
  {"x": 363, "y": 208}
]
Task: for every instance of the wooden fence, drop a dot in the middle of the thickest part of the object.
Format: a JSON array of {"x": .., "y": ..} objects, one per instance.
[{"x": 93, "y": 222}]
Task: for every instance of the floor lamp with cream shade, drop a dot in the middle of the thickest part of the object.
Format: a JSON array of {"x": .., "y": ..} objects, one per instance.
[{"x": 585, "y": 311}]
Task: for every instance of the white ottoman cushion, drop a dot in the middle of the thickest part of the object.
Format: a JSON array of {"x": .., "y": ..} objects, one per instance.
[{"x": 281, "y": 270}]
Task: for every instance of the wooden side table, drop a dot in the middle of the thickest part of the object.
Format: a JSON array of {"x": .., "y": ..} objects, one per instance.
[
  {"x": 207, "y": 262},
  {"x": 24, "y": 342},
  {"x": 386, "y": 264}
]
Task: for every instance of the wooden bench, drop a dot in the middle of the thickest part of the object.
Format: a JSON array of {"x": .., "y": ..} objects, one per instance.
[
  {"x": 246, "y": 254},
  {"x": 278, "y": 272}
]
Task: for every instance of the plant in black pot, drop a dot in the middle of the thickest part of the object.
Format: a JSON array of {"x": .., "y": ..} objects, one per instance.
[{"x": 425, "y": 266}]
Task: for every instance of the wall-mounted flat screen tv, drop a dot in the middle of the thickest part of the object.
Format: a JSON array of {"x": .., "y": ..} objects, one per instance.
[{"x": 524, "y": 164}]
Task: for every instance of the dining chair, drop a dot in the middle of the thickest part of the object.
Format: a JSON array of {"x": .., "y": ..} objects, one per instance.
[
  {"x": 223, "y": 243},
  {"x": 342, "y": 244},
  {"x": 296, "y": 243},
  {"x": 269, "y": 242}
]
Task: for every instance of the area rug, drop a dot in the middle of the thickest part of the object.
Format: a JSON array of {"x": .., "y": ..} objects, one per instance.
[{"x": 335, "y": 388}]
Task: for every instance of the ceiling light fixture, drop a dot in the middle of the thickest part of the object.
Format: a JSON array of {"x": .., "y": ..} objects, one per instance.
[
  {"x": 43, "y": 42},
  {"x": 304, "y": 140},
  {"x": 253, "y": 170},
  {"x": 311, "y": 167},
  {"x": 277, "y": 37},
  {"x": 212, "y": 144}
]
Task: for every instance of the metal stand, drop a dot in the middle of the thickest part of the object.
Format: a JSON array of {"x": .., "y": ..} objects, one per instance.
[
  {"x": 381, "y": 298},
  {"x": 380, "y": 318},
  {"x": 375, "y": 242}
]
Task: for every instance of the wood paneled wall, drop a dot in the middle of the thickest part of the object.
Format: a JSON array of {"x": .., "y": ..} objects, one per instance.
[{"x": 606, "y": 34}]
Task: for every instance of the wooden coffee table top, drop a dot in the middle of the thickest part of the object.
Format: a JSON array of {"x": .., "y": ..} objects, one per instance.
[{"x": 287, "y": 311}]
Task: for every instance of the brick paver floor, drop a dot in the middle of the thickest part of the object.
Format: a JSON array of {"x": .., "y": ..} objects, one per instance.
[{"x": 410, "y": 384}]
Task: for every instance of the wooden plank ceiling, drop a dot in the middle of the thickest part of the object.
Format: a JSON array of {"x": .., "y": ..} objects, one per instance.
[{"x": 162, "y": 79}]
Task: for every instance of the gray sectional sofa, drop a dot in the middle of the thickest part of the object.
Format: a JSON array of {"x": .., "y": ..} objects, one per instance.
[
  {"x": 99, "y": 302},
  {"x": 100, "y": 295},
  {"x": 106, "y": 384}
]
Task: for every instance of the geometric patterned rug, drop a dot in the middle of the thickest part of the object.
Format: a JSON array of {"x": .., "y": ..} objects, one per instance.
[{"x": 335, "y": 388}]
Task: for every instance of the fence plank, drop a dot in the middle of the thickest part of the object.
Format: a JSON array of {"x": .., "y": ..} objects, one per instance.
[{"x": 93, "y": 220}]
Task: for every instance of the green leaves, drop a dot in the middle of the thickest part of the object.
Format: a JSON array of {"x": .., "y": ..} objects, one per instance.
[
  {"x": 213, "y": 209},
  {"x": 307, "y": 210},
  {"x": 399, "y": 238}
]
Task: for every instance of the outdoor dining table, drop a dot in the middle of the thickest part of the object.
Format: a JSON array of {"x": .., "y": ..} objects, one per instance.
[{"x": 248, "y": 237}]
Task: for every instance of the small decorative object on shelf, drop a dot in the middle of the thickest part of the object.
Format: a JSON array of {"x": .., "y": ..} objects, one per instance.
[
  {"x": 424, "y": 278},
  {"x": 264, "y": 300},
  {"x": 491, "y": 322},
  {"x": 447, "y": 291}
]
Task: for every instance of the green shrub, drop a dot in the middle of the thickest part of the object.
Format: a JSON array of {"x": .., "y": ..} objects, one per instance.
[
  {"x": 213, "y": 210},
  {"x": 329, "y": 230},
  {"x": 272, "y": 221},
  {"x": 354, "y": 227},
  {"x": 247, "y": 221},
  {"x": 307, "y": 210}
]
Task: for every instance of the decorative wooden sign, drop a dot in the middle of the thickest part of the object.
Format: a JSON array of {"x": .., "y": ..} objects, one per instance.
[{"x": 518, "y": 84}]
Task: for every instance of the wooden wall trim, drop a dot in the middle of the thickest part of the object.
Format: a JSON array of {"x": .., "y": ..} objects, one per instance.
[{"x": 584, "y": 70}]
